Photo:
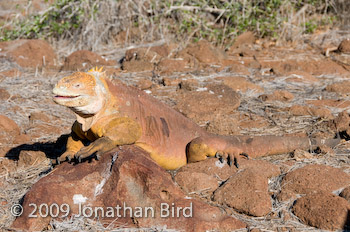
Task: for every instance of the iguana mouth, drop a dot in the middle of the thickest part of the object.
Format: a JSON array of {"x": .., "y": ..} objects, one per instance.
[{"x": 66, "y": 97}]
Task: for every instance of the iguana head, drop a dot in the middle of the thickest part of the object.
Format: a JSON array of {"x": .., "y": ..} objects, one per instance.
[{"x": 83, "y": 92}]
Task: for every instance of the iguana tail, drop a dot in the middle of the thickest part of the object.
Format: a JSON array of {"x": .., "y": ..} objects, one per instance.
[
  {"x": 252, "y": 146},
  {"x": 256, "y": 146}
]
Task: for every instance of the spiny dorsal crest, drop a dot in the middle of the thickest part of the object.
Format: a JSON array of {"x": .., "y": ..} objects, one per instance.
[
  {"x": 96, "y": 69},
  {"x": 100, "y": 73}
]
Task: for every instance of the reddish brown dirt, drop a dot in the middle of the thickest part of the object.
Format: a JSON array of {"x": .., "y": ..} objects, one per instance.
[
  {"x": 211, "y": 167},
  {"x": 83, "y": 59},
  {"x": 29, "y": 53},
  {"x": 346, "y": 194},
  {"x": 240, "y": 84},
  {"x": 209, "y": 101},
  {"x": 344, "y": 46},
  {"x": 300, "y": 76},
  {"x": 134, "y": 180},
  {"x": 330, "y": 103},
  {"x": 342, "y": 88},
  {"x": 253, "y": 88},
  {"x": 313, "y": 178},
  {"x": 204, "y": 183},
  {"x": 11, "y": 73},
  {"x": 323, "y": 210},
  {"x": 298, "y": 110},
  {"x": 169, "y": 65},
  {"x": 10, "y": 135},
  {"x": 247, "y": 38},
  {"x": 4, "y": 95},
  {"x": 277, "y": 95},
  {"x": 246, "y": 192},
  {"x": 205, "y": 53}
]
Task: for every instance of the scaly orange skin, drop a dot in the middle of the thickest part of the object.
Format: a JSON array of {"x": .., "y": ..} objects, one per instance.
[
  {"x": 110, "y": 114},
  {"x": 128, "y": 116}
]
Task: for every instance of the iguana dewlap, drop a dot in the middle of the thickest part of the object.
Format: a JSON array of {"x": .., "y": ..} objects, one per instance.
[{"x": 111, "y": 114}]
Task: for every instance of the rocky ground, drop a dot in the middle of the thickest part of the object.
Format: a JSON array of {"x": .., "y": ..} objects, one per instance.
[{"x": 255, "y": 88}]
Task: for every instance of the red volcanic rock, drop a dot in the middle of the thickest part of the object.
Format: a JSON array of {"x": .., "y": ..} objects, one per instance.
[
  {"x": 344, "y": 46},
  {"x": 124, "y": 177},
  {"x": 84, "y": 59},
  {"x": 240, "y": 84},
  {"x": 205, "y": 53},
  {"x": 346, "y": 194},
  {"x": 342, "y": 88},
  {"x": 8, "y": 126},
  {"x": 212, "y": 167},
  {"x": 278, "y": 95},
  {"x": 29, "y": 53},
  {"x": 213, "y": 99},
  {"x": 324, "y": 211},
  {"x": 246, "y": 192},
  {"x": 169, "y": 65},
  {"x": 312, "y": 178},
  {"x": 196, "y": 182}
]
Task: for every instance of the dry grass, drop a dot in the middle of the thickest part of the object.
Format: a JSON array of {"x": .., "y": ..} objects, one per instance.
[
  {"x": 18, "y": 182},
  {"x": 35, "y": 88},
  {"x": 90, "y": 24},
  {"x": 15, "y": 185}
]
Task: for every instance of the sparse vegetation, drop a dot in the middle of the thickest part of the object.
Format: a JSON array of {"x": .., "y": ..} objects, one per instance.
[
  {"x": 109, "y": 27},
  {"x": 90, "y": 22},
  {"x": 63, "y": 16}
]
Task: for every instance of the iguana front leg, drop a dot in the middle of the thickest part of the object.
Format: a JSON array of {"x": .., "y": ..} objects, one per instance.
[
  {"x": 74, "y": 144},
  {"x": 119, "y": 131},
  {"x": 99, "y": 146}
]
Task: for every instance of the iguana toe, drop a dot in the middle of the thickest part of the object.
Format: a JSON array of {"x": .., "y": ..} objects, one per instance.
[
  {"x": 55, "y": 162},
  {"x": 65, "y": 156},
  {"x": 221, "y": 155},
  {"x": 81, "y": 155},
  {"x": 235, "y": 157},
  {"x": 230, "y": 158},
  {"x": 245, "y": 155}
]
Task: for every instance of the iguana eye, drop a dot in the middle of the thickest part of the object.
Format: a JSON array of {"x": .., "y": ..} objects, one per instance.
[{"x": 77, "y": 86}]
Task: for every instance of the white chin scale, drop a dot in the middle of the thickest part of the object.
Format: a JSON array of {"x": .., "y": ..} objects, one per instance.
[
  {"x": 95, "y": 103},
  {"x": 94, "y": 107}
]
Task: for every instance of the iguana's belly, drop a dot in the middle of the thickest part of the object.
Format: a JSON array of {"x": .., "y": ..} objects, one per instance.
[
  {"x": 166, "y": 151},
  {"x": 166, "y": 140},
  {"x": 167, "y": 161}
]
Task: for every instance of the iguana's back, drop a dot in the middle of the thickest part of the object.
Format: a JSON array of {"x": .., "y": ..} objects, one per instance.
[{"x": 165, "y": 131}]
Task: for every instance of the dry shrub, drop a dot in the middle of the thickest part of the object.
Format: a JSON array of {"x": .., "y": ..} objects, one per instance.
[
  {"x": 342, "y": 10},
  {"x": 88, "y": 24}
]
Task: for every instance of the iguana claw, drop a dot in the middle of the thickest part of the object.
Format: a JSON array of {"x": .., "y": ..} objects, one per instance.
[
  {"x": 68, "y": 155},
  {"x": 97, "y": 148},
  {"x": 232, "y": 158}
]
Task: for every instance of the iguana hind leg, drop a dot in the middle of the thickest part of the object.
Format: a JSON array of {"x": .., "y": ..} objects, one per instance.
[
  {"x": 210, "y": 146},
  {"x": 234, "y": 147}
]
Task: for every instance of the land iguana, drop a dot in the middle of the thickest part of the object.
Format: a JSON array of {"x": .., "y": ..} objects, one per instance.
[{"x": 110, "y": 114}]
